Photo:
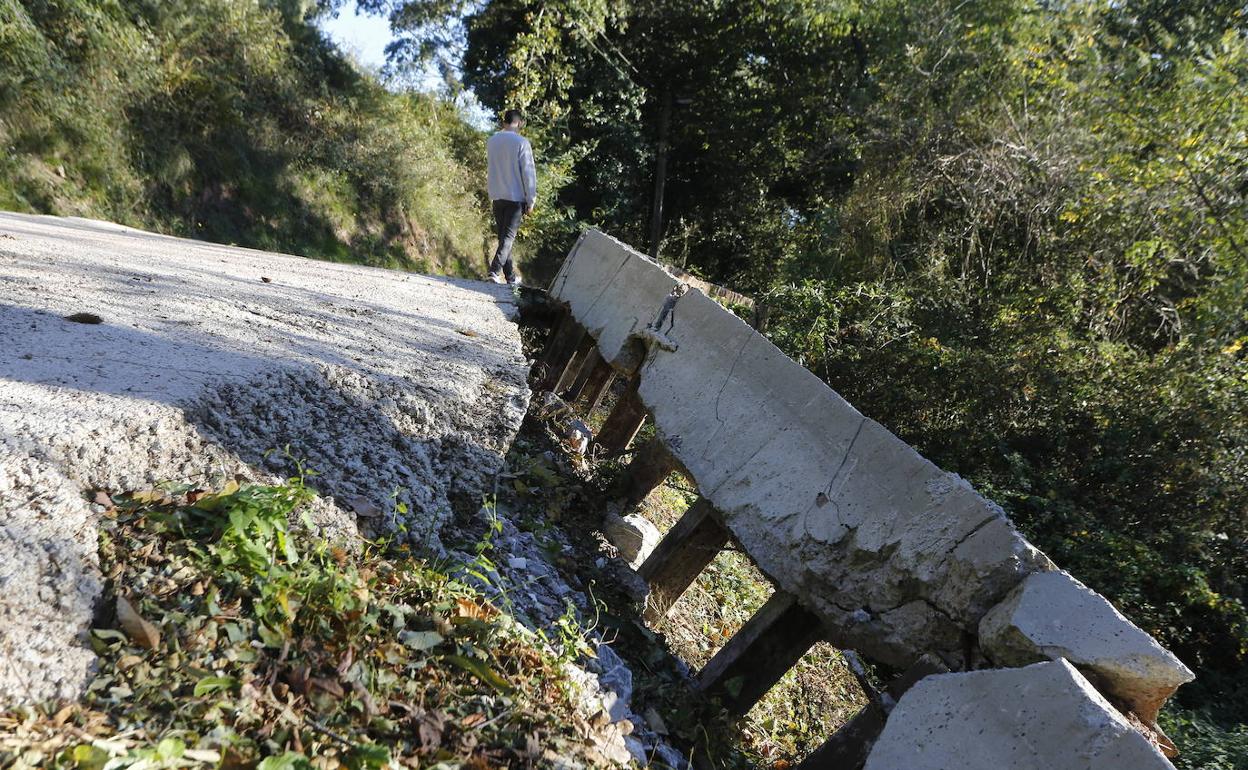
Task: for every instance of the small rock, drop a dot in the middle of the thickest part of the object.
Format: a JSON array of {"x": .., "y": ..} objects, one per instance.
[
  {"x": 633, "y": 535},
  {"x": 363, "y": 507},
  {"x": 518, "y": 562},
  {"x": 84, "y": 318}
]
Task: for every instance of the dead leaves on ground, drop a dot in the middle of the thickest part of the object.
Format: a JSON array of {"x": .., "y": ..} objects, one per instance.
[{"x": 419, "y": 667}]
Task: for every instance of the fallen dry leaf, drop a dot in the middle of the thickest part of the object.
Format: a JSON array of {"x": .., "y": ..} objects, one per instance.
[
  {"x": 59, "y": 718},
  {"x": 432, "y": 725},
  {"x": 466, "y": 608},
  {"x": 141, "y": 632},
  {"x": 330, "y": 686}
]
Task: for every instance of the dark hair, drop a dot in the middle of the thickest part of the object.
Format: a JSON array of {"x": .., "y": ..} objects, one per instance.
[{"x": 512, "y": 116}]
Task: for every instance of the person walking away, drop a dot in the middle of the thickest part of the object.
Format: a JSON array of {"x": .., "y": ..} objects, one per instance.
[{"x": 513, "y": 189}]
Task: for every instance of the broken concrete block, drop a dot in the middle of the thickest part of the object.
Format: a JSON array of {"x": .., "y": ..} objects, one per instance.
[
  {"x": 632, "y": 534},
  {"x": 614, "y": 292},
  {"x": 833, "y": 507},
  {"x": 1041, "y": 717},
  {"x": 1051, "y": 615}
]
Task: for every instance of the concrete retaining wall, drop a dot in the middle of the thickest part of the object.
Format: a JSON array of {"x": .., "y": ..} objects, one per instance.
[{"x": 894, "y": 556}]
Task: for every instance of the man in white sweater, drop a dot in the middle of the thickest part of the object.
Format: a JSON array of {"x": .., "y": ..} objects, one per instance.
[{"x": 513, "y": 189}]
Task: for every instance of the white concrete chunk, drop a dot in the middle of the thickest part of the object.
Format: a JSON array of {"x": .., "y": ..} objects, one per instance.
[
  {"x": 1052, "y": 615},
  {"x": 1042, "y": 717},
  {"x": 633, "y": 535}
]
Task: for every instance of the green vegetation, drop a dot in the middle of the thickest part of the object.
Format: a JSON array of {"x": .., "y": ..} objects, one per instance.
[
  {"x": 1015, "y": 232},
  {"x": 237, "y": 642},
  {"x": 234, "y": 122}
]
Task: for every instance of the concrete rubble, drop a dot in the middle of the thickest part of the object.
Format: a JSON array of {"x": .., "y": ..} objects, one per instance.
[
  {"x": 1040, "y": 717},
  {"x": 633, "y": 535},
  {"x": 1052, "y": 615},
  {"x": 211, "y": 362}
]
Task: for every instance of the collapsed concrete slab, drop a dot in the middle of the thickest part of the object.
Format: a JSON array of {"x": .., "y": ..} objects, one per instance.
[
  {"x": 614, "y": 292},
  {"x": 895, "y": 555},
  {"x": 1052, "y": 615},
  {"x": 131, "y": 358},
  {"x": 1041, "y": 717}
]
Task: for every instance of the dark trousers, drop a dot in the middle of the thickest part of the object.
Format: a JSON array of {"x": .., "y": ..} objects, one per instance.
[{"x": 507, "y": 216}]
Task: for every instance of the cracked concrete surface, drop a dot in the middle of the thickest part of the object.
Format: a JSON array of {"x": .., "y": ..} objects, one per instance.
[
  {"x": 896, "y": 556},
  {"x": 205, "y": 360}
]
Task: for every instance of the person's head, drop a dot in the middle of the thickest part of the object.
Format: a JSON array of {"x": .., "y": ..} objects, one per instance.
[{"x": 513, "y": 119}]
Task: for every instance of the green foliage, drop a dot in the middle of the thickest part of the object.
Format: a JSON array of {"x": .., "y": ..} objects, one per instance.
[
  {"x": 277, "y": 650},
  {"x": 1014, "y": 232},
  {"x": 1207, "y": 744},
  {"x": 233, "y": 122}
]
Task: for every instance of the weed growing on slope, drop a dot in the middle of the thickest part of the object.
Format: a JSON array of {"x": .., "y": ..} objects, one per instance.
[{"x": 238, "y": 643}]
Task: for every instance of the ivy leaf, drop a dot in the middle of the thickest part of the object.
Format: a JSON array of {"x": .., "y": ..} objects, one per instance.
[
  {"x": 367, "y": 756},
  {"x": 288, "y": 761},
  {"x": 480, "y": 671},
  {"x": 211, "y": 684}
]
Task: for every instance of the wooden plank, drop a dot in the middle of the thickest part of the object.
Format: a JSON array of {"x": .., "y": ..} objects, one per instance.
[
  {"x": 623, "y": 422},
  {"x": 769, "y": 644},
  {"x": 597, "y": 387},
  {"x": 558, "y": 331},
  {"x": 848, "y": 747},
  {"x": 570, "y": 371},
  {"x": 559, "y": 355},
  {"x": 680, "y": 557},
  {"x": 650, "y": 467},
  {"x": 586, "y": 371}
]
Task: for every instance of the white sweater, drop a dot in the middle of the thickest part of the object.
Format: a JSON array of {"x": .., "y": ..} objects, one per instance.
[{"x": 512, "y": 175}]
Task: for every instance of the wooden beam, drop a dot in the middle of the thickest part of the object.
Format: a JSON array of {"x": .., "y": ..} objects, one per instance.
[
  {"x": 559, "y": 354},
  {"x": 623, "y": 422},
  {"x": 650, "y": 467},
  {"x": 680, "y": 557},
  {"x": 583, "y": 348},
  {"x": 596, "y": 389},
  {"x": 848, "y": 747},
  {"x": 558, "y": 330},
  {"x": 588, "y": 368},
  {"x": 768, "y": 645}
]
